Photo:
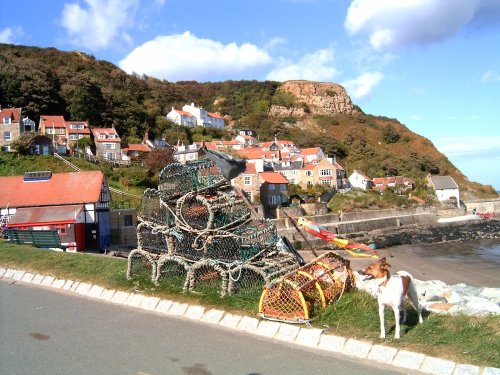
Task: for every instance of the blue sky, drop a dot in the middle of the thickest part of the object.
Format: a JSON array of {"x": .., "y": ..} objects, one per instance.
[{"x": 432, "y": 64}]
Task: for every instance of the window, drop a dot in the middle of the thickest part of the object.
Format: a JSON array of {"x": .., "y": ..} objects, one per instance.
[
  {"x": 62, "y": 131},
  {"x": 325, "y": 182},
  {"x": 109, "y": 156},
  {"x": 73, "y": 137},
  {"x": 77, "y": 126},
  {"x": 247, "y": 180},
  {"x": 50, "y": 131},
  {"x": 309, "y": 173},
  {"x": 283, "y": 186},
  {"x": 272, "y": 187},
  {"x": 6, "y": 120},
  {"x": 127, "y": 220},
  {"x": 325, "y": 172},
  {"x": 109, "y": 146},
  {"x": 6, "y": 136},
  {"x": 61, "y": 229},
  {"x": 102, "y": 136},
  {"x": 274, "y": 199}
]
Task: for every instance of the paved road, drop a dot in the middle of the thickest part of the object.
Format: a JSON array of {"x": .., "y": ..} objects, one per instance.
[{"x": 51, "y": 332}]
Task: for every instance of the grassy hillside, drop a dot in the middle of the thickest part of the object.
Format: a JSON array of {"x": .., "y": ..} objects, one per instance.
[{"x": 45, "y": 81}]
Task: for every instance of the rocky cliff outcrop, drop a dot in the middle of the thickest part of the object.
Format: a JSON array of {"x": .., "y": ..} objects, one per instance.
[{"x": 320, "y": 98}]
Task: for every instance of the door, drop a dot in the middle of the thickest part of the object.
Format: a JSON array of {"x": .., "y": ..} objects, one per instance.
[{"x": 80, "y": 236}]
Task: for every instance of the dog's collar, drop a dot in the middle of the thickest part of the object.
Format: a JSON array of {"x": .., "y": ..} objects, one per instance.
[{"x": 382, "y": 282}]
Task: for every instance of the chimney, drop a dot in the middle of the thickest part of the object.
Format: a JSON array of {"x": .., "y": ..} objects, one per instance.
[{"x": 112, "y": 125}]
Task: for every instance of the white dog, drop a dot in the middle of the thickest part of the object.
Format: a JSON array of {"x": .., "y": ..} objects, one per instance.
[{"x": 391, "y": 292}]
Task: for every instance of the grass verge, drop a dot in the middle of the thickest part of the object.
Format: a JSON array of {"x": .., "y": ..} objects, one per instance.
[{"x": 464, "y": 339}]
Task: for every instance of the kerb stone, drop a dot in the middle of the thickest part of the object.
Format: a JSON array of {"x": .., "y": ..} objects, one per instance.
[
  {"x": 95, "y": 291},
  {"x": 463, "y": 369},
  {"x": 287, "y": 332},
  {"x": 437, "y": 366},
  {"x": 83, "y": 288},
  {"x": 28, "y": 277},
  {"x": 68, "y": 284},
  {"x": 308, "y": 337},
  {"x": 18, "y": 275},
  {"x": 58, "y": 283},
  {"x": 119, "y": 297},
  {"x": 47, "y": 281},
  {"x": 248, "y": 324},
  {"x": 178, "y": 308},
  {"x": 230, "y": 320},
  {"x": 357, "y": 348},
  {"x": 149, "y": 303},
  {"x": 107, "y": 294},
  {"x": 194, "y": 312},
  {"x": 134, "y": 300},
  {"x": 9, "y": 273},
  {"x": 268, "y": 328},
  {"x": 163, "y": 306},
  {"x": 212, "y": 316},
  {"x": 332, "y": 343},
  {"x": 491, "y": 371},
  {"x": 410, "y": 360},
  {"x": 37, "y": 279},
  {"x": 383, "y": 354}
]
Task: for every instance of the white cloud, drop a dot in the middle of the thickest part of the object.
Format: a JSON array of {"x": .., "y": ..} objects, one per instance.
[
  {"x": 469, "y": 146},
  {"x": 317, "y": 66},
  {"x": 9, "y": 34},
  {"x": 490, "y": 76},
  {"x": 99, "y": 24},
  {"x": 394, "y": 23},
  {"x": 363, "y": 86},
  {"x": 186, "y": 57}
]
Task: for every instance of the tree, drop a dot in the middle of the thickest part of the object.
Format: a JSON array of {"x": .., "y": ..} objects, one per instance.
[
  {"x": 389, "y": 134},
  {"x": 158, "y": 159},
  {"x": 25, "y": 142}
]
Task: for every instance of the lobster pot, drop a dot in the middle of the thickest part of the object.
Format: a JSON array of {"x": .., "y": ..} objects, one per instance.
[
  {"x": 172, "y": 270},
  {"x": 333, "y": 273},
  {"x": 206, "y": 211},
  {"x": 187, "y": 244},
  {"x": 246, "y": 280},
  {"x": 205, "y": 276},
  {"x": 258, "y": 233},
  {"x": 178, "y": 179},
  {"x": 150, "y": 239},
  {"x": 314, "y": 285},
  {"x": 153, "y": 209},
  {"x": 285, "y": 301}
]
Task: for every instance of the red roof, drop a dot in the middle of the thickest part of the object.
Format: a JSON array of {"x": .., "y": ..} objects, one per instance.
[
  {"x": 250, "y": 169},
  {"x": 183, "y": 113},
  {"x": 61, "y": 189},
  {"x": 43, "y": 215},
  {"x": 216, "y": 115},
  {"x": 309, "y": 166},
  {"x": 107, "y": 132},
  {"x": 53, "y": 121},
  {"x": 13, "y": 113},
  {"x": 310, "y": 151},
  {"x": 273, "y": 178},
  {"x": 137, "y": 147},
  {"x": 85, "y": 129}
]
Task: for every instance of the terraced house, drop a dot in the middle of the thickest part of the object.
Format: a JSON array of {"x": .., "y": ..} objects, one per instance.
[
  {"x": 107, "y": 143},
  {"x": 12, "y": 125}
]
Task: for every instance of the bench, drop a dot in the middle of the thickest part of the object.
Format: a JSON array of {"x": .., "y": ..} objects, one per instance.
[{"x": 36, "y": 238}]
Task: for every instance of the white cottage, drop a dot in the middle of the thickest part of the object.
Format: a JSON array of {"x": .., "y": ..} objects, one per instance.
[{"x": 446, "y": 188}]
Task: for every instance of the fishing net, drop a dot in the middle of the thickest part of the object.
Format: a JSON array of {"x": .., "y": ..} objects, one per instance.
[{"x": 196, "y": 228}]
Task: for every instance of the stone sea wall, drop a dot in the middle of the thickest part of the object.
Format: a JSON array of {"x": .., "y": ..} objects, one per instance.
[{"x": 455, "y": 231}]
